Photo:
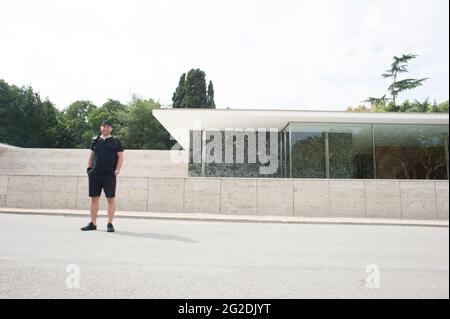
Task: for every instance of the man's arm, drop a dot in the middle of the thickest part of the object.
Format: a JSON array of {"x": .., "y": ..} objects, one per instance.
[
  {"x": 119, "y": 162},
  {"x": 91, "y": 159}
]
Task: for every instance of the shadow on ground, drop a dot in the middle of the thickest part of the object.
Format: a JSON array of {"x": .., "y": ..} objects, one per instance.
[{"x": 155, "y": 236}]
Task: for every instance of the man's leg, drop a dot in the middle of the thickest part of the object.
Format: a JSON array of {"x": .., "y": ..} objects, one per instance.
[
  {"x": 109, "y": 186},
  {"x": 111, "y": 209},
  {"x": 95, "y": 191},
  {"x": 95, "y": 203}
]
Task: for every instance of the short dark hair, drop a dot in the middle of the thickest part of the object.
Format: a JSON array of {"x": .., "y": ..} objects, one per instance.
[{"x": 106, "y": 122}]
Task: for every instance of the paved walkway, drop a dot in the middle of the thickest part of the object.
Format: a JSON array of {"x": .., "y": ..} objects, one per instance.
[{"x": 49, "y": 257}]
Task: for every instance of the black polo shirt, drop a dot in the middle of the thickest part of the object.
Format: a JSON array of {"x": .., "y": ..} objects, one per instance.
[{"x": 105, "y": 159}]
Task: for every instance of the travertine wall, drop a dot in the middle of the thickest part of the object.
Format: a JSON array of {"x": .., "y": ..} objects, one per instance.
[
  {"x": 272, "y": 197},
  {"x": 73, "y": 162},
  {"x": 152, "y": 181}
]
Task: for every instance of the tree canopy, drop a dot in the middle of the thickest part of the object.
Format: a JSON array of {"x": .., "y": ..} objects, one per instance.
[
  {"x": 399, "y": 66},
  {"x": 27, "y": 121},
  {"x": 192, "y": 92}
]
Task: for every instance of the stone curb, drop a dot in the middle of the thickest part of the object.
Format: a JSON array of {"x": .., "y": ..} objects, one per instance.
[{"x": 231, "y": 218}]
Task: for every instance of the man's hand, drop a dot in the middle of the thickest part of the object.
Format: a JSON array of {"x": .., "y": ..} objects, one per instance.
[{"x": 119, "y": 162}]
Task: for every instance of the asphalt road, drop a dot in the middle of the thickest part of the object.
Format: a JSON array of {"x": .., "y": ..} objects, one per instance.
[{"x": 41, "y": 257}]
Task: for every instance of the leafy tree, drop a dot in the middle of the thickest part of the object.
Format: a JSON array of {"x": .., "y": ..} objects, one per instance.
[
  {"x": 378, "y": 102},
  {"x": 51, "y": 115},
  {"x": 442, "y": 107},
  {"x": 112, "y": 110},
  {"x": 24, "y": 119},
  {"x": 389, "y": 104},
  {"x": 360, "y": 109},
  {"x": 27, "y": 121},
  {"x": 11, "y": 114},
  {"x": 398, "y": 66},
  {"x": 75, "y": 119},
  {"x": 63, "y": 138},
  {"x": 407, "y": 106},
  {"x": 142, "y": 130},
  {"x": 192, "y": 93}
]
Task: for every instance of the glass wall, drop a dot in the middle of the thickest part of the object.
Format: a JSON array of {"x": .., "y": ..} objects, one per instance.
[
  {"x": 411, "y": 151},
  {"x": 364, "y": 151},
  {"x": 331, "y": 150}
]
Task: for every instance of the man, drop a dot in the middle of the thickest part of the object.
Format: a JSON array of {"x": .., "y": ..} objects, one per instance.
[{"x": 105, "y": 161}]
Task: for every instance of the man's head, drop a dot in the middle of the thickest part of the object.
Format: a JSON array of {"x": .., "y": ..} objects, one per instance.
[{"x": 106, "y": 127}]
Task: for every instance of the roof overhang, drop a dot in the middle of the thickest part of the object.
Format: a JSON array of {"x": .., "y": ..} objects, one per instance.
[
  {"x": 178, "y": 122},
  {"x": 3, "y": 145}
]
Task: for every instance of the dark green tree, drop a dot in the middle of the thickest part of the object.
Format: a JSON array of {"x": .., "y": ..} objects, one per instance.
[
  {"x": 142, "y": 130},
  {"x": 398, "y": 67},
  {"x": 210, "y": 96},
  {"x": 192, "y": 93},
  {"x": 180, "y": 92},
  {"x": 63, "y": 138},
  {"x": 75, "y": 119},
  {"x": 11, "y": 114},
  {"x": 25, "y": 120},
  {"x": 407, "y": 106},
  {"x": 51, "y": 114},
  {"x": 195, "y": 89},
  {"x": 442, "y": 107},
  {"x": 112, "y": 110}
]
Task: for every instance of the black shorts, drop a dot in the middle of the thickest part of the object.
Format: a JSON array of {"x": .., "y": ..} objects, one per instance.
[{"x": 97, "y": 183}]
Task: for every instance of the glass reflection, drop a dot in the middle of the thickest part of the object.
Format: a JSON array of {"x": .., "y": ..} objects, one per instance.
[
  {"x": 411, "y": 151},
  {"x": 332, "y": 150}
]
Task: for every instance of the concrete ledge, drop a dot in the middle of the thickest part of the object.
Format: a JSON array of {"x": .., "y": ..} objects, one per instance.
[{"x": 231, "y": 218}]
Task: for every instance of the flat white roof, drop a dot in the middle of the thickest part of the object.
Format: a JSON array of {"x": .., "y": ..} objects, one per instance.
[
  {"x": 178, "y": 122},
  {"x": 3, "y": 145}
]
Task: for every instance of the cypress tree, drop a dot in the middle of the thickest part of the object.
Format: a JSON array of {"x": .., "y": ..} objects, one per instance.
[
  {"x": 180, "y": 92},
  {"x": 192, "y": 92},
  {"x": 210, "y": 96}
]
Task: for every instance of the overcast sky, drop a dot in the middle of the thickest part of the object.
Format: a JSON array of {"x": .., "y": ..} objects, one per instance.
[{"x": 283, "y": 54}]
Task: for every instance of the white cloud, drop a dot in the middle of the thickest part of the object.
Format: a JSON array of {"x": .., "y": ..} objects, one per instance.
[{"x": 260, "y": 54}]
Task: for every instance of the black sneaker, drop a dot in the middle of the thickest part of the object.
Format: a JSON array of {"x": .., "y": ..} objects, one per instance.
[
  {"x": 90, "y": 226},
  {"x": 110, "y": 228}
]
